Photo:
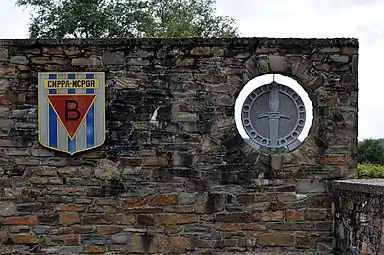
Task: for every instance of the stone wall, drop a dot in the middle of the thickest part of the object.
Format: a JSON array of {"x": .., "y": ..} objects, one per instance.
[
  {"x": 185, "y": 181},
  {"x": 359, "y": 216}
]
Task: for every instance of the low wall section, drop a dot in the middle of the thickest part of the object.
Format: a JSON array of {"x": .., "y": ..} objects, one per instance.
[{"x": 359, "y": 216}]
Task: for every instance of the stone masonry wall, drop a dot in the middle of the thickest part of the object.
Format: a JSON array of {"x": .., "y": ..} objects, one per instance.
[
  {"x": 185, "y": 181},
  {"x": 359, "y": 216}
]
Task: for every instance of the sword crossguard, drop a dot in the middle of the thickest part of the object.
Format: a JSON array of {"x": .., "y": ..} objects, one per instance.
[{"x": 274, "y": 115}]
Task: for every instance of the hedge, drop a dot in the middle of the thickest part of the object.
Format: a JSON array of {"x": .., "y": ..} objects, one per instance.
[{"x": 370, "y": 171}]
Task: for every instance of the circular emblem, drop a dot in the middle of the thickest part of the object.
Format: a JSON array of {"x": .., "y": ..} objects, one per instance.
[{"x": 273, "y": 116}]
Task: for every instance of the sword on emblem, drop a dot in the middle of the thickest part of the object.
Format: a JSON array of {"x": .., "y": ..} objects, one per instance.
[{"x": 273, "y": 115}]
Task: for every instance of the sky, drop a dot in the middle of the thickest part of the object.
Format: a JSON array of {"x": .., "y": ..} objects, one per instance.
[{"x": 292, "y": 18}]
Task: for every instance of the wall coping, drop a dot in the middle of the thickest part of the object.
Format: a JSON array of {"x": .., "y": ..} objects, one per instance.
[
  {"x": 328, "y": 42},
  {"x": 372, "y": 186}
]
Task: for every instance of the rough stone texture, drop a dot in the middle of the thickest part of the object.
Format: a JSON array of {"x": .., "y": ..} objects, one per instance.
[
  {"x": 359, "y": 216},
  {"x": 184, "y": 181}
]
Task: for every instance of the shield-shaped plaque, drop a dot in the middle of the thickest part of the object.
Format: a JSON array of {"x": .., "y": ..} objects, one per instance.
[{"x": 71, "y": 111}]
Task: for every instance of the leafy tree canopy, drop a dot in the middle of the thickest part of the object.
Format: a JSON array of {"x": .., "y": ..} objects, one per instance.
[
  {"x": 126, "y": 18},
  {"x": 371, "y": 151}
]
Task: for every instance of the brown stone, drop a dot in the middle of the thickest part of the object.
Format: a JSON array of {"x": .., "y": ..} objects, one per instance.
[
  {"x": 322, "y": 67},
  {"x": 164, "y": 200},
  {"x": 365, "y": 248},
  {"x": 3, "y": 236},
  {"x": 293, "y": 215},
  {"x": 53, "y": 51},
  {"x": 163, "y": 244},
  {"x": 95, "y": 249},
  {"x": 130, "y": 161},
  {"x": 123, "y": 219},
  {"x": 182, "y": 209},
  {"x": 24, "y": 239},
  {"x": 154, "y": 161},
  {"x": 7, "y": 70},
  {"x": 145, "y": 220},
  {"x": 206, "y": 51},
  {"x": 144, "y": 210},
  {"x": 72, "y": 239},
  {"x": 135, "y": 202},
  {"x": 382, "y": 226},
  {"x": 246, "y": 198},
  {"x": 119, "y": 219},
  {"x": 48, "y": 219},
  {"x": 8, "y": 98},
  {"x": 177, "y": 219},
  {"x": 270, "y": 216},
  {"x": 317, "y": 214},
  {"x": 5, "y": 183},
  {"x": 64, "y": 191},
  {"x": 234, "y": 218},
  {"x": 108, "y": 230},
  {"x": 276, "y": 239},
  {"x": 304, "y": 240},
  {"x": 74, "y": 229},
  {"x": 228, "y": 227},
  {"x": 69, "y": 218},
  {"x": 179, "y": 243},
  {"x": 324, "y": 225},
  {"x": 350, "y": 51},
  {"x": 185, "y": 62},
  {"x": 142, "y": 243},
  {"x": 192, "y": 86},
  {"x": 286, "y": 197},
  {"x": 335, "y": 160},
  {"x": 253, "y": 227},
  {"x": 265, "y": 50},
  {"x": 26, "y": 220},
  {"x": 73, "y": 208}
]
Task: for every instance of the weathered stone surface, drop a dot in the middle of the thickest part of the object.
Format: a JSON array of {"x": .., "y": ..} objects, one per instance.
[
  {"x": 4, "y": 54},
  {"x": 7, "y": 209},
  {"x": 174, "y": 176},
  {"x": 276, "y": 239},
  {"x": 20, "y": 60},
  {"x": 24, "y": 239},
  {"x": 22, "y": 220},
  {"x": 69, "y": 219},
  {"x": 92, "y": 61},
  {"x": 358, "y": 215},
  {"x": 107, "y": 170},
  {"x": 113, "y": 58},
  {"x": 310, "y": 186}
]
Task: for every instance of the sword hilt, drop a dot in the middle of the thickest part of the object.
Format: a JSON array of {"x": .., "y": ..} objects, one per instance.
[{"x": 273, "y": 115}]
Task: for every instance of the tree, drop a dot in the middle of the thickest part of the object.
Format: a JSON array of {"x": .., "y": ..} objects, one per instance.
[
  {"x": 126, "y": 18},
  {"x": 370, "y": 151}
]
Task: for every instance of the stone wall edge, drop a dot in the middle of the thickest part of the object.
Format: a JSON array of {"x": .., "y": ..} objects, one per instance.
[
  {"x": 337, "y": 42},
  {"x": 371, "y": 186}
]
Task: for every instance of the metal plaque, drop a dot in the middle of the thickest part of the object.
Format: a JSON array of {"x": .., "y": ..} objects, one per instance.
[
  {"x": 273, "y": 116},
  {"x": 71, "y": 111}
]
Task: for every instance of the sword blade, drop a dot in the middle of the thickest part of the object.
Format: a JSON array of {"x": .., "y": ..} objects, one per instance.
[{"x": 274, "y": 131}]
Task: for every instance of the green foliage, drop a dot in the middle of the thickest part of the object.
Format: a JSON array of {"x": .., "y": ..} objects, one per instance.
[
  {"x": 126, "y": 18},
  {"x": 370, "y": 171},
  {"x": 370, "y": 151}
]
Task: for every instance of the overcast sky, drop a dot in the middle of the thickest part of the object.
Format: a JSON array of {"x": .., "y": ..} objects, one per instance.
[{"x": 293, "y": 18}]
